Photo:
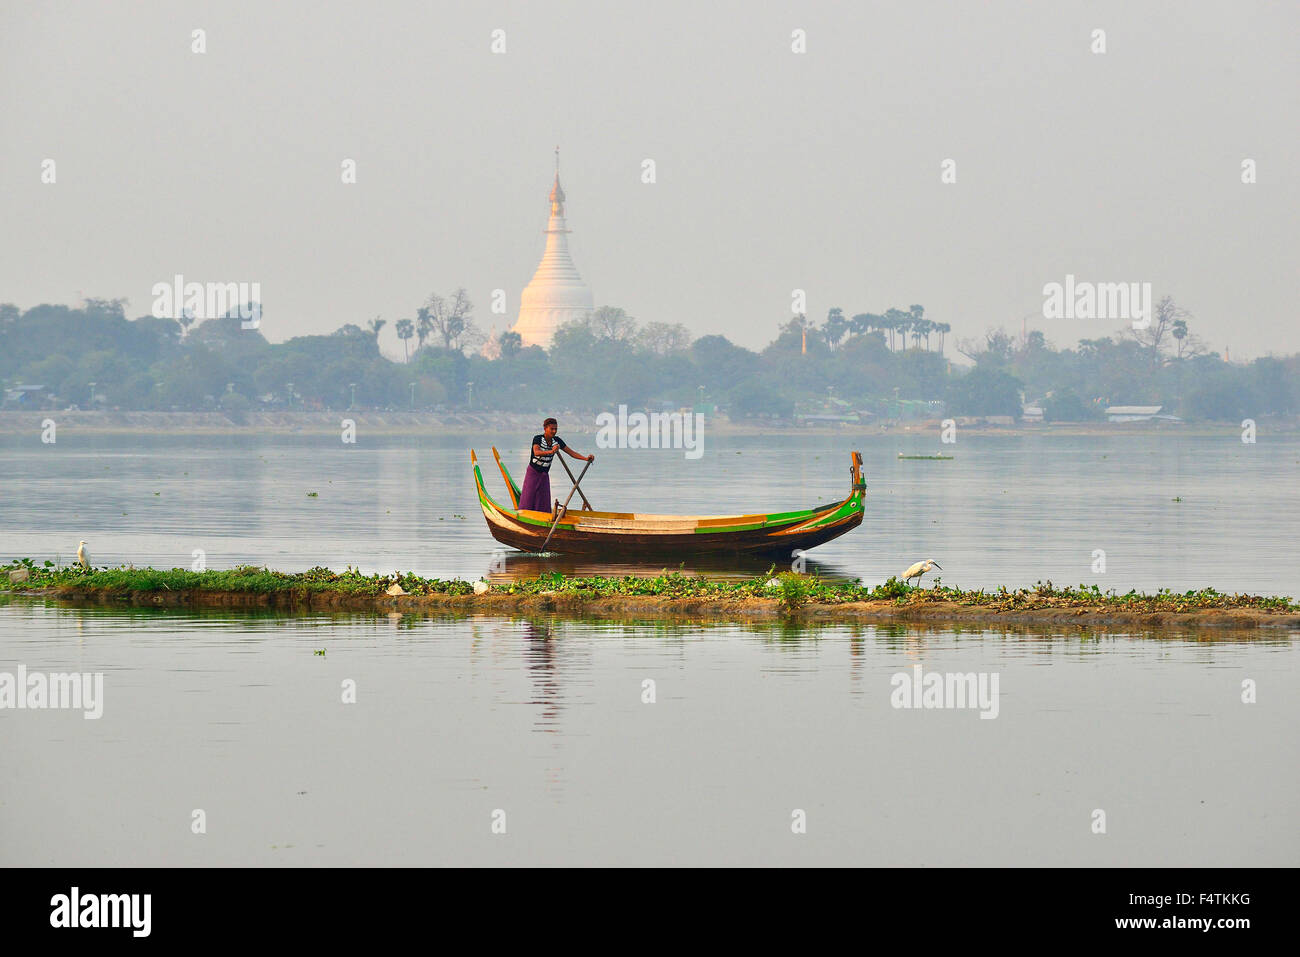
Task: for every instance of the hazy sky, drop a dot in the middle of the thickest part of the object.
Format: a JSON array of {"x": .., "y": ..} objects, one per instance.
[{"x": 775, "y": 170}]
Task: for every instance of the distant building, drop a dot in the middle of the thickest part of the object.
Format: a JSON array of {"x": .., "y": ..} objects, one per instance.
[
  {"x": 850, "y": 418},
  {"x": 26, "y": 395},
  {"x": 1032, "y": 413},
  {"x": 1136, "y": 413}
]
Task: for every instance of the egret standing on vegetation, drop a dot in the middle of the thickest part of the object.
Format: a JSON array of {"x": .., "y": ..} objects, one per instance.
[
  {"x": 919, "y": 569},
  {"x": 83, "y": 559}
]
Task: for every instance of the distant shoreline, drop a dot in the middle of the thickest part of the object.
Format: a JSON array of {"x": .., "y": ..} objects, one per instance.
[{"x": 426, "y": 423}]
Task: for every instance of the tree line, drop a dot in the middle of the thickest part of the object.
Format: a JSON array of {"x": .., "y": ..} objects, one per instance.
[{"x": 93, "y": 356}]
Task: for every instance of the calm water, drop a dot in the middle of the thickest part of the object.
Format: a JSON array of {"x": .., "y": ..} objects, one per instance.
[
  {"x": 1005, "y": 511},
  {"x": 455, "y": 719},
  {"x": 546, "y": 721}
]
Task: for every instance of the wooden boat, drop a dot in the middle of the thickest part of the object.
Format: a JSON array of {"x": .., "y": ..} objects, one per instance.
[{"x": 580, "y": 531}]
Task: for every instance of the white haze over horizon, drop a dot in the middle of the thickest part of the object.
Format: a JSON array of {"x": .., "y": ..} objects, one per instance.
[{"x": 775, "y": 171}]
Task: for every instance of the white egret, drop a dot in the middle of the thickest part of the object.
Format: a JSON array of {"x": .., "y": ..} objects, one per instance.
[
  {"x": 83, "y": 558},
  {"x": 919, "y": 569}
]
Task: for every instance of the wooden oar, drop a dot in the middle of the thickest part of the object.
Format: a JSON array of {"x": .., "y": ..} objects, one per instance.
[
  {"x": 585, "y": 503},
  {"x": 560, "y": 514}
]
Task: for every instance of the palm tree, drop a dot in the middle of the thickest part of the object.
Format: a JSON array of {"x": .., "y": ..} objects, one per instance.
[
  {"x": 836, "y": 325},
  {"x": 875, "y": 323},
  {"x": 917, "y": 314},
  {"x": 374, "y": 325},
  {"x": 927, "y": 330},
  {"x": 943, "y": 329},
  {"x": 423, "y": 326},
  {"x": 898, "y": 321},
  {"x": 406, "y": 329},
  {"x": 1180, "y": 333}
]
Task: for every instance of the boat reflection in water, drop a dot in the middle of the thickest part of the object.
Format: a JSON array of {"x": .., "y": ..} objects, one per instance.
[{"x": 510, "y": 566}]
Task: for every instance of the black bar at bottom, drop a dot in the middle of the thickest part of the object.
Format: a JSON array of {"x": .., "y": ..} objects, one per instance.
[{"x": 331, "y": 906}]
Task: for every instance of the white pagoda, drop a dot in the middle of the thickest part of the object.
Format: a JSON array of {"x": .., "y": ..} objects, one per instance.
[{"x": 556, "y": 294}]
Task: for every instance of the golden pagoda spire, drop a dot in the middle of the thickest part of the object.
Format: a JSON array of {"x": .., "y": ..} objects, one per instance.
[{"x": 557, "y": 192}]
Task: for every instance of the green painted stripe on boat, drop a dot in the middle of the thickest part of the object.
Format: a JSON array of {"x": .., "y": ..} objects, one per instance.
[
  {"x": 483, "y": 495},
  {"x": 532, "y": 521},
  {"x": 802, "y": 513},
  {"x": 731, "y": 528}
]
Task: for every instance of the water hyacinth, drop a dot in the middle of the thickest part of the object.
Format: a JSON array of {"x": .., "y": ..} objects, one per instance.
[{"x": 791, "y": 590}]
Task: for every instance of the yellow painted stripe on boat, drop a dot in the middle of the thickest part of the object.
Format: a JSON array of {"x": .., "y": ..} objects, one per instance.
[
  {"x": 732, "y": 520},
  {"x": 597, "y": 526}
]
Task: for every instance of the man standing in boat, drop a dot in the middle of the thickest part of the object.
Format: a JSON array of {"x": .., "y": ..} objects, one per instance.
[{"x": 536, "y": 493}]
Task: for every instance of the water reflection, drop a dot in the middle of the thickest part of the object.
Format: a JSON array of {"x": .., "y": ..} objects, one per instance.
[
  {"x": 903, "y": 635},
  {"x": 540, "y": 659},
  {"x": 511, "y": 566}
]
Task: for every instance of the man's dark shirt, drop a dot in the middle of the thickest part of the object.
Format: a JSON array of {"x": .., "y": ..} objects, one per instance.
[{"x": 543, "y": 462}]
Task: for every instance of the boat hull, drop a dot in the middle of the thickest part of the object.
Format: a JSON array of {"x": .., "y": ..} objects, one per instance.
[{"x": 576, "y": 541}]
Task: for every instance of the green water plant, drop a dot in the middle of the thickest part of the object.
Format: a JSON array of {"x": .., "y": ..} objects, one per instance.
[
  {"x": 791, "y": 591},
  {"x": 792, "y": 594}
]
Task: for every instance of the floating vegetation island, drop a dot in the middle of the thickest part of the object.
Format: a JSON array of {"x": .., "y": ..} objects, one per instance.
[{"x": 670, "y": 595}]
